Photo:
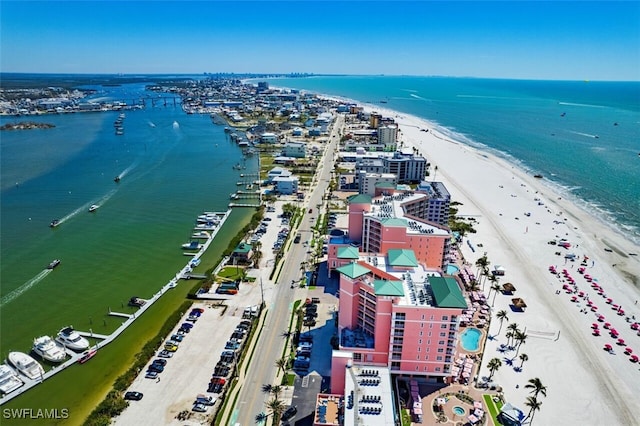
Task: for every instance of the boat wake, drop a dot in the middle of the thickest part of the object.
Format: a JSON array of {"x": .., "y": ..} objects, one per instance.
[
  {"x": 581, "y": 105},
  {"x": 151, "y": 124},
  {"x": 586, "y": 135},
  {"x": 24, "y": 287},
  {"x": 413, "y": 95},
  {"x": 127, "y": 170}
]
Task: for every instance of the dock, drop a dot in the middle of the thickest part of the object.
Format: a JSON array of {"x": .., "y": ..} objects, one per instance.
[
  {"x": 130, "y": 318},
  {"x": 231, "y": 205}
]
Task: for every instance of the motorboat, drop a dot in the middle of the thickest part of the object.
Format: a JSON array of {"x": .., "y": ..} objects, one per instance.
[
  {"x": 93, "y": 208},
  {"x": 201, "y": 234},
  {"x": 86, "y": 356},
  {"x": 116, "y": 179},
  {"x": 9, "y": 380},
  {"x": 53, "y": 264},
  {"x": 137, "y": 302},
  {"x": 54, "y": 223},
  {"x": 48, "y": 349},
  {"x": 193, "y": 245},
  {"x": 72, "y": 339},
  {"x": 26, "y": 365}
]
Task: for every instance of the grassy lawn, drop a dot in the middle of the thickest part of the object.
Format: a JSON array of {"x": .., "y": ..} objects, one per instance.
[
  {"x": 231, "y": 272},
  {"x": 494, "y": 407}
]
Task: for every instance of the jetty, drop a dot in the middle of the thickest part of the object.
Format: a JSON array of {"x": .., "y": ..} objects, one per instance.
[{"x": 130, "y": 319}]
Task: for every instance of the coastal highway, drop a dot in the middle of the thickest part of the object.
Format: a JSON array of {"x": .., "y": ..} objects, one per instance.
[{"x": 263, "y": 370}]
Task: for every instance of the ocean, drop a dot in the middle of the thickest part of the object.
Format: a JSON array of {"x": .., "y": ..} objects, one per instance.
[
  {"x": 582, "y": 136},
  {"x": 173, "y": 166}
]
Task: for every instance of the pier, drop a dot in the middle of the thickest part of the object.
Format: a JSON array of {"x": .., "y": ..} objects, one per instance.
[{"x": 130, "y": 318}]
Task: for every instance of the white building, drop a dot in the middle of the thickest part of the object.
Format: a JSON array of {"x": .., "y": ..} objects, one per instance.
[
  {"x": 285, "y": 185},
  {"x": 387, "y": 135},
  {"x": 295, "y": 149},
  {"x": 369, "y": 181},
  {"x": 269, "y": 138}
]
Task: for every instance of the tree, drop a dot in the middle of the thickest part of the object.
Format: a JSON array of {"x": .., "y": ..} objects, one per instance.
[
  {"x": 261, "y": 418},
  {"x": 521, "y": 337},
  {"x": 276, "y": 390},
  {"x": 508, "y": 335},
  {"x": 502, "y": 316},
  {"x": 513, "y": 327},
  {"x": 266, "y": 388},
  {"x": 281, "y": 363},
  {"x": 482, "y": 263},
  {"x": 495, "y": 286},
  {"x": 534, "y": 405},
  {"x": 276, "y": 407},
  {"x": 485, "y": 273},
  {"x": 536, "y": 387},
  {"x": 493, "y": 366},
  {"x": 523, "y": 357}
]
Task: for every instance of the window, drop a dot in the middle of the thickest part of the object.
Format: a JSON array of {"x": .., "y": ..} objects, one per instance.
[
  {"x": 395, "y": 364},
  {"x": 440, "y": 342},
  {"x": 419, "y": 349},
  {"x": 418, "y": 357},
  {"x": 419, "y": 341},
  {"x": 429, "y": 334},
  {"x": 445, "y": 318},
  {"x": 443, "y": 334},
  {"x": 421, "y": 334},
  {"x": 430, "y": 325},
  {"x": 422, "y": 317},
  {"x": 438, "y": 358},
  {"x": 437, "y": 368},
  {"x": 440, "y": 350},
  {"x": 357, "y": 357},
  {"x": 443, "y": 325}
]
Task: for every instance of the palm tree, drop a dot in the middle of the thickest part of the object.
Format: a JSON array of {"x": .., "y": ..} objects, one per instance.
[
  {"x": 276, "y": 390},
  {"x": 281, "y": 363},
  {"x": 435, "y": 170},
  {"x": 493, "y": 366},
  {"x": 485, "y": 273},
  {"x": 521, "y": 337},
  {"x": 266, "y": 388},
  {"x": 502, "y": 316},
  {"x": 482, "y": 263},
  {"x": 513, "y": 327},
  {"x": 495, "y": 286},
  {"x": 508, "y": 335},
  {"x": 523, "y": 357},
  {"x": 276, "y": 407},
  {"x": 534, "y": 405},
  {"x": 536, "y": 387},
  {"x": 261, "y": 418}
]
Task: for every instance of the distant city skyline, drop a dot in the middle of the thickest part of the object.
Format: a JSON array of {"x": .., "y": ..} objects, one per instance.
[{"x": 521, "y": 40}]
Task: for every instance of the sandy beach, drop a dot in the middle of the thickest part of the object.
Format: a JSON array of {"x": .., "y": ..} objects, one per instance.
[{"x": 517, "y": 215}]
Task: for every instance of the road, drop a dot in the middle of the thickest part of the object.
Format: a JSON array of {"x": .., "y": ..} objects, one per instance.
[{"x": 263, "y": 370}]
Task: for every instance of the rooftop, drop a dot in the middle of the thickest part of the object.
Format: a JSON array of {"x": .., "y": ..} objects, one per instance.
[
  {"x": 390, "y": 207},
  {"x": 368, "y": 396}
]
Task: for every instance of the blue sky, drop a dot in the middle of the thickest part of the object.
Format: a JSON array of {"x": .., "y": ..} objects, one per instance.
[{"x": 537, "y": 40}]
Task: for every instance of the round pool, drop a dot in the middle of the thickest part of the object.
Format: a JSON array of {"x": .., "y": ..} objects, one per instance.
[
  {"x": 459, "y": 411},
  {"x": 470, "y": 339}
]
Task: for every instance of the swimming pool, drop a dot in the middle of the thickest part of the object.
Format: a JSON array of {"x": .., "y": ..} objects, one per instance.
[
  {"x": 452, "y": 269},
  {"x": 459, "y": 410},
  {"x": 470, "y": 339}
]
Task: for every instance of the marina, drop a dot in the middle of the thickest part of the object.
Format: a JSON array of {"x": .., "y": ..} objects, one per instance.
[{"x": 81, "y": 358}]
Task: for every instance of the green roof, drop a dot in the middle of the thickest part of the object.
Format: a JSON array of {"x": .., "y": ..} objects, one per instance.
[
  {"x": 353, "y": 270},
  {"x": 385, "y": 185},
  {"x": 243, "y": 248},
  {"x": 394, "y": 221},
  {"x": 401, "y": 257},
  {"x": 388, "y": 288},
  {"x": 359, "y": 199},
  {"x": 348, "y": 253},
  {"x": 447, "y": 293}
]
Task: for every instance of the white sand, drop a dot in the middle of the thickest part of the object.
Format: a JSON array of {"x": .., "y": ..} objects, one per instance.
[{"x": 585, "y": 384}]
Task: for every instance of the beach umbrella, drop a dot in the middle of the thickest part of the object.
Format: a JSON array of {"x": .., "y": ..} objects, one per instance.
[
  {"x": 620, "y": 312},
  {"x": 615, "y": 307},
  {"x": 596, "y": 332},
  {"x": 609, "y": 301},
  {"x": 594, "y": 308},
  {"x": 634, "y": 358},
  {"x": 600, "y": 317},
  {"x": 574, "y": 298},
  {"x": 594, "y": 325},
  {"x": 608, "y": 347},
  {"x": 628, "y": 350},
  {"x": 621, "y": 342},
  {"x": 606, "y": 325},
  {"x": 635, "y": 326}
]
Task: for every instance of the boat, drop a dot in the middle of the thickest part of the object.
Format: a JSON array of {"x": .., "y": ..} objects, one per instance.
[
  {"x": 192, "y": 245},
  {"x": 93, "y": 208},
  {"x": 137, "y": 302},
  {"x": 26, "y": 365},
  {"x": 54, "y": 223},
  {"x": 119, "y": 131},
  {"x": 201, "y": 234},
  {"x": 53, "y": 264},
  {"x": 48, "y": 349},
  {"x": 72, "y": 339},
  {"x": 9, "y": 380},
  {"x": 176, "y": 125},
  {"x": 538, "y": 176},
  {"x": 86, "y": 356},
  {"x": 116, "y": 179}
]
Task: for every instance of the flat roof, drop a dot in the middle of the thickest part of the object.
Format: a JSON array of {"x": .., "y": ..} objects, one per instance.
[
  {"x": 388, "y": 209},
  {"x": 368, "y": 396}
]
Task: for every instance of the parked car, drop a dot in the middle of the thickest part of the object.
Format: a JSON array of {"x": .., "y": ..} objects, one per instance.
[
  {"x": 206, "y": 400},
  {"x": 186, "y": 325},
  {"x": 162, "y": 362},
  {"x": 133, "y": 396},
  {"x": 289, "y": 412},
  {"x": 151, "y": 375},
  {"x": 199, "y": 408},
  {"x": 177, "y": 337},
  {"x": 156, "y": 368},
  {"x": 165, "y": 354},
  {"x": 170, "y": 348}
]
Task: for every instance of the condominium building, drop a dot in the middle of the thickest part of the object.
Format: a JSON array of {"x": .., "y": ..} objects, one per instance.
[
  {"x": 393, "y": 312},
  {"x": 369, "y": 183},
  {"x": 408, "y": 167}
]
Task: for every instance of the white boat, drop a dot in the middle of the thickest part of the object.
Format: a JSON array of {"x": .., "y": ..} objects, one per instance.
[
  {"x": 26, "y": 365},
  {"x": 93, "y": 207},
  {"x": 9, "y": 380},
  {"x": 201, "y": 234},
  {"x": 72, "y": 340},
  {"x": 48, "y": 349},
  {"x": 176, "y": 125},
  {"x": 193, "y": 245}
]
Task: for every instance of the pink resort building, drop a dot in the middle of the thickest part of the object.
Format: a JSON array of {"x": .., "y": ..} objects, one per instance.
[
  {"x": 378, "y": 224},
  {"x": 395, "y": 313}
]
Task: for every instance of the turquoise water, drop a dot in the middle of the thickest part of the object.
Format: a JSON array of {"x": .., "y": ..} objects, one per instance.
[
  {"x": 459, "y": 410},
  {"x": 546, "y": 127},
  {"x": 130, "y": 246},
  {"x": 451, "y": 269},
  {"x": 470, "y": 339}
]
